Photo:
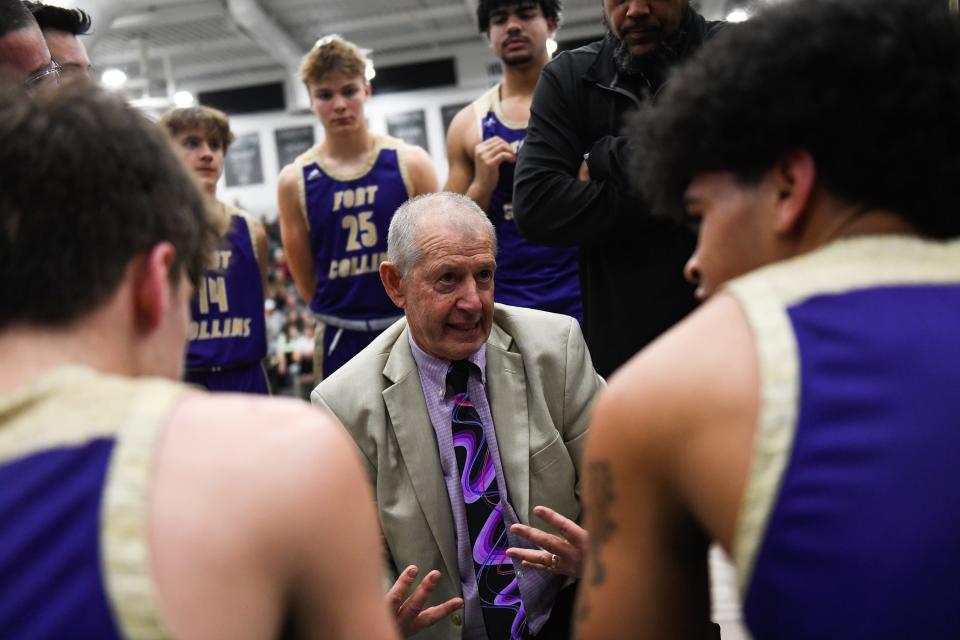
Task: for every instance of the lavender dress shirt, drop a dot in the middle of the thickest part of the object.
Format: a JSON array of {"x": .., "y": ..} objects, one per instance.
[{"x": 538, "y": 589}]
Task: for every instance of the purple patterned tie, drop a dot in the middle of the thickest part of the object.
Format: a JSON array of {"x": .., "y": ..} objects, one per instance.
[{"x": 503, "y": 612}]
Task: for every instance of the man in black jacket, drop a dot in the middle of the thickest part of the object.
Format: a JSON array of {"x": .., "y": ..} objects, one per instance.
[{"x": 571, "y": 184}]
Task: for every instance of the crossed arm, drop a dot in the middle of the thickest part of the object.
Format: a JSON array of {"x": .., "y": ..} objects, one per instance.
[{"x": 559, "y": 200}]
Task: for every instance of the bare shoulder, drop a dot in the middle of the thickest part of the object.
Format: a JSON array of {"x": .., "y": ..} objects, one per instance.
[
  {"x": 296, "y": 437},
  {"x": 416, "y": 156},
  {"x": 685, "y": 408},
  {"x": 289, "y": 176},
  {"x": 420, "y": 168},
  {"x": 270, "y": 456},
  {"x": 242, "y": 497},
  {"x": 707, "y": 356},
  {"x": 463, "y": 132}
]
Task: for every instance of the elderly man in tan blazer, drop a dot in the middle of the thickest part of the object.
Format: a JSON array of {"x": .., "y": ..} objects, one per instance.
[{"x": 469, "y": 415}]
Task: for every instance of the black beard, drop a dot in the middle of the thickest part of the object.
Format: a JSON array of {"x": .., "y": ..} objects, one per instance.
[{"x": 653, "y": 63}]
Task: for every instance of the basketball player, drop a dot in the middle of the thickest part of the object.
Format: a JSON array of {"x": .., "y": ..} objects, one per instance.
[
  {"x": 132, "y": 505},
  {"x": 482, "y": 147},
  {"x": 336, "y": 201},
  {"x": 806, "y": 416},
  {"x": 227, "y": 335}
]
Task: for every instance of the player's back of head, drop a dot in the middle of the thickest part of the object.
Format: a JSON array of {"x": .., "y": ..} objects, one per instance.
[
  {"x": 871, "y": 88},
  {"x": 89, "y": 183}
]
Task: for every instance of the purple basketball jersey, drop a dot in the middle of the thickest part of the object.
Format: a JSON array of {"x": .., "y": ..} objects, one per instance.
[
  {"x": 528, "y": 275},
  {"x": 349, "y": 217},
  {"x": 51, "y": 582},
  {"x": 228, "y": 323},
  {"x": 860, "y": 538}
]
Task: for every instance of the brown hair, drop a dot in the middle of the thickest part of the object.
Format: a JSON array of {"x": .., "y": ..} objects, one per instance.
[
  {"x": 213, "y": 121},
  {"x": 333, "y": 54},
  {"x": 89, "y": 185},
  {"x": 14, "y": 16}
]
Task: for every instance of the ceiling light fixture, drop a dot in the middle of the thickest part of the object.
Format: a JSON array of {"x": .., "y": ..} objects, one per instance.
[
  {"x": 738, "y": 15},
  {"x": 183, "y": 99},
  {"x": 113, "y": 78}
]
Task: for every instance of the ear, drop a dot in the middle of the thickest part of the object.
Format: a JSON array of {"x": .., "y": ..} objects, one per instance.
[
  {"x": 551, "y": 27},
  {"x": 368, "y": 88},
  {"x": 793, "y": 179},
  {"x": 393, "y": 283},
  {"x": 153, "y": 293}
]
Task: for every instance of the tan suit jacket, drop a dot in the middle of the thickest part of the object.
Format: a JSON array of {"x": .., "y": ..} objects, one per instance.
[{"x": 541, "y": 385}]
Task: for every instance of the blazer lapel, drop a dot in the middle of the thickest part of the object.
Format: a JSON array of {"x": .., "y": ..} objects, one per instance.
[
  {"x": 418, "y": 446},
  {"x": 507, "y": 392}
]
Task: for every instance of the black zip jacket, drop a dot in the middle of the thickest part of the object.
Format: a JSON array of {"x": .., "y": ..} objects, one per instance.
[{"x": 631, "y": 262}]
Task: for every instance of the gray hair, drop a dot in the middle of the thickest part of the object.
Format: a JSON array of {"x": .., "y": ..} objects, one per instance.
[{"x": 461, "y": 212}]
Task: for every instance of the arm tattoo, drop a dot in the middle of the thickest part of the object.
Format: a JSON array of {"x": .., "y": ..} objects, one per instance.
[{"x": 599, "y": 499}]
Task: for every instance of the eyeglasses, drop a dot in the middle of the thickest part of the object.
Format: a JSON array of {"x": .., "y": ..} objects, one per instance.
[{"x": 43, "y": 78}]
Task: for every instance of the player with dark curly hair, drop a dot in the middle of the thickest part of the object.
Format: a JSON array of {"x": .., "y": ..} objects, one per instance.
[{"x": 816, "y": 146}]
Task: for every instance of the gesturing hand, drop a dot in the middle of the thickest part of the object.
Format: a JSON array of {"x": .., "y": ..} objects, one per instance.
[
  {"x": 409, "y": 612},
  {"x": 559, "y": 555}
]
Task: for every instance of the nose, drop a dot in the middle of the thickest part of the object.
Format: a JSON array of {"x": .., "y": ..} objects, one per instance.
[
  {"x": 514, "y": 23},
  {"x": 638, "y": 8},
  {"x": 691, "y": 270},
  {"x": 206, "y": 152},
  {"x": 469, "y": 299}
]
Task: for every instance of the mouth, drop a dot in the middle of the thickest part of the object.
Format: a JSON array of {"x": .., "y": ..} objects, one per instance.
[
  {"x": 343, "y": 121},
  {"x": 640, "y": 35},
  {"x": 514, "y": 43},
  {"x": 465, "y": 329}
]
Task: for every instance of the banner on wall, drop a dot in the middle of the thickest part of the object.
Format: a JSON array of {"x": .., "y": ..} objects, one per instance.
[
  {"x": 291, "y": 142},
  {"x": 411, "y": 127},
  {"x": 447, "y": 114},
  {"x": 243, "y": 165}
]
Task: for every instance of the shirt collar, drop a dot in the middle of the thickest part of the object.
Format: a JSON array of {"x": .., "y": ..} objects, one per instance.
[{"x": 436, "y": 368}]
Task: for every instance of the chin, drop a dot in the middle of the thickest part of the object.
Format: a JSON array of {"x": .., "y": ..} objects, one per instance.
[
  {"x": 518, "y": 60},
  {"x": 462, "y": 351}
]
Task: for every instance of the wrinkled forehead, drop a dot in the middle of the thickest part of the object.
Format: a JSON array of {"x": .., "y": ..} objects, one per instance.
[{"x": 449, "y": 246}]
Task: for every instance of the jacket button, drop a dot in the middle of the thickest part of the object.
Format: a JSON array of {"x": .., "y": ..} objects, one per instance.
[{"x": 456, "y": 618}]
